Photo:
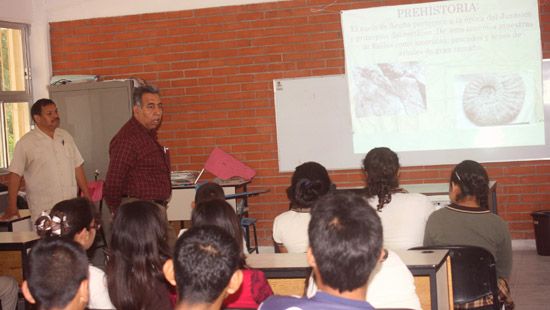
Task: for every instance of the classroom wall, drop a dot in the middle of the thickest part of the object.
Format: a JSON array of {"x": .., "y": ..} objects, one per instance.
[{"x": 215, "y": 68}]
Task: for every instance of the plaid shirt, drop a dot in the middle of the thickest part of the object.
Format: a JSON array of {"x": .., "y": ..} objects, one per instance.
[{"x": 139, "y": 166}]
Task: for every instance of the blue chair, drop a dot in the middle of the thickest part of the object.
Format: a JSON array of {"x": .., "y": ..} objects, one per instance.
[{"x": 247, "y": 222}]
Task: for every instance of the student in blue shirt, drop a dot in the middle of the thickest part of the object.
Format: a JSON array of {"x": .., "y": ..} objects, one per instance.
[{"x": 345, "y": 239}]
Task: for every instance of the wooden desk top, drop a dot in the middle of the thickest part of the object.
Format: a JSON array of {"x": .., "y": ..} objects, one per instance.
[
  {"x": 277, "y": 260},
  {"x": 7, "y": 238},
  {"x": 414, "y": 259},
  {"x": 25, "y": 213}
]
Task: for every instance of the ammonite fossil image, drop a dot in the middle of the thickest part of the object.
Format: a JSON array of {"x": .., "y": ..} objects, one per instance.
[
  {"x": 493, "y": 99},
  {"x": 389, "y": 89}
]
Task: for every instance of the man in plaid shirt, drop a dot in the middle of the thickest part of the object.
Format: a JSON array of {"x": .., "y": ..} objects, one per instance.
[{"x": 140, "y": 165}]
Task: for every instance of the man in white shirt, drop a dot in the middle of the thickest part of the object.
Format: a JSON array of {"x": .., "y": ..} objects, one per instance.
[{"x": 50, "y": 162}]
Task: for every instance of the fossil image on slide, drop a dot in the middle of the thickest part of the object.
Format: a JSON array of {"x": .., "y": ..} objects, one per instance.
[
  {"x": 389, "y": 89},
  {"x": 493, "y": 99}
]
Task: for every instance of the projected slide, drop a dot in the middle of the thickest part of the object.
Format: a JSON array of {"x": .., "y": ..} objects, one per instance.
[{"x": 445, "y": 75}]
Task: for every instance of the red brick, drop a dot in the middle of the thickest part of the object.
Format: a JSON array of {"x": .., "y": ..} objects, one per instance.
[
  {"x": 64, "y": 66},
  {"x": 518, "y": 189},
  {"x": 114, "y": 45},
  {"x": 145, "y": 44},
  {"x": 76, "y": 56},
  {"x": 61, "y": 33},
  {"x": 116, "y": 62},
  {"x": 90, "y": 64},
  {"x": 228, "y": 140},
  {"x": 153, "y": 33},
  {"x": 130, "y": 69},
  {"x": 141, "y": 60},
  {"x": 535, "y": 198}
]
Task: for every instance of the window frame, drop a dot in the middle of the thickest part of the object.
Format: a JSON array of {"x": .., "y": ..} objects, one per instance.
[{"x": 15, "y": 96}]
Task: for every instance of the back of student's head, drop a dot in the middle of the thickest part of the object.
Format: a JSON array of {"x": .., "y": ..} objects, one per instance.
[
  {"x": 66, "y": 218},
  {"x": 221, "y": 214},
  {"x": 55, "y": 269},
  {"x": 345, "y": 236},
  {"x": 209, "y": 191},
  {"x": 381, "y": 165},
  {"x": 309, "y": 182},
  {"x": 473, "y": 181},
  {"x": 138, "y": 250},
  {"x": 205, "y": 258}
]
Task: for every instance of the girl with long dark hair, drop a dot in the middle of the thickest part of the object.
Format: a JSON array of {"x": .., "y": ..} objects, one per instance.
[
  {"x": 404, "y": 215},
  {"x": 138, "y": 251}
]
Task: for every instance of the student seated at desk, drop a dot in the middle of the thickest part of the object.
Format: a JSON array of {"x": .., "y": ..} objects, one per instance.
[
  {"x": 74, "y": 219},
  {"x": 138, "y": 251},
  {"x": 255, "y": 288},
  {"x": 468, "y": 221},
  {"x": 57, "y": 275},
  {"x": 205, "y": 268},
  {"x": 403, "y": 215},
  {"x": 345, "y": 237},
  {"x": 310, "y": 181}
]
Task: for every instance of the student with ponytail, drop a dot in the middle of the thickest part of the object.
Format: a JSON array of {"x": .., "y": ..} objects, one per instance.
[
  {"x": 468, "y": 221},
  {"x": 75, "y": 220}
]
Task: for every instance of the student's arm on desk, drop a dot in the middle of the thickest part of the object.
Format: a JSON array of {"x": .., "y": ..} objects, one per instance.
[{"x": 14, "y": 181}]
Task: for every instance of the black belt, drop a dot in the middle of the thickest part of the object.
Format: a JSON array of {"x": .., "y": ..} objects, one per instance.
[{"x": 163, "y": 203}]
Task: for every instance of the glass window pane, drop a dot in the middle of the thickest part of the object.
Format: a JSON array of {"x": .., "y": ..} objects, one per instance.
[
  {"x": 17, "y": 124},
  {"x": 12, "y": 70}
]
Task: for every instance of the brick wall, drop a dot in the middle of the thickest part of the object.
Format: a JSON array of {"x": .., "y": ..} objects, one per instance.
[{"x": 215, "y": 69}]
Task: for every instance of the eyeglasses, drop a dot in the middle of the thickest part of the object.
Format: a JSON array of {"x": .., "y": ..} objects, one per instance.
[{"x": 95, "y": 226}]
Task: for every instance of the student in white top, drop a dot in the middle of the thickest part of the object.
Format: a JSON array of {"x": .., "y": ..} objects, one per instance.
[
  {"x": 403, "y": 215},
  {"x": 310, "y": 181},
  {"x": 74, "y": 219}
]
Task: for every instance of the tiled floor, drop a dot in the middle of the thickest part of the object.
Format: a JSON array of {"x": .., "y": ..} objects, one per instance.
[{"x": 530, "y": 280}]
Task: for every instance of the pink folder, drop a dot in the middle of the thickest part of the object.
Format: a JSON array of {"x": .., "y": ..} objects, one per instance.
[{"x": 225, "y": 166}]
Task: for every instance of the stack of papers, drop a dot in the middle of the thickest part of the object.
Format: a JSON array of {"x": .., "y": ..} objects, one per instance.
[{"x": 184, "y": 177}]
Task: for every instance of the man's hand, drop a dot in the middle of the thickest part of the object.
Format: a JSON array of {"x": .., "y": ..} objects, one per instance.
[{"x": 9, "y": 214}]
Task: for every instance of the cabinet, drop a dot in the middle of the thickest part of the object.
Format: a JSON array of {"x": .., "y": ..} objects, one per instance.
[{"x": 93, "y": 113}]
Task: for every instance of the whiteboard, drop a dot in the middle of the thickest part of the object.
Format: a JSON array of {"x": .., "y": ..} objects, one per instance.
[{"x": 314, "y": 123}]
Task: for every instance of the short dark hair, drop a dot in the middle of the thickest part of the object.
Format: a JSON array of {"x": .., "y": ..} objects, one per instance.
[
  {"x": 309, "y": 182},
  {"x": 221, "y": 214},
  {"x": 36, "y": 108},
  {"x": 208, "y": 191},
  {"x": 473, "y": 180},
  {"x": 382, "y": 167},
  {"x": 138, "y": 93},
  {"x": 345, "y": 236},
  {"x": 75, "y": 214},
  {"x": 205, "y": 258},
  {"x": 55, "y": 269}
]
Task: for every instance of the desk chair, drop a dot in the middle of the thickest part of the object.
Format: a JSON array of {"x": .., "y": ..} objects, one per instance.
[
  {"x": 474, "y": 274},
  {"x": 246, "y": 222}
]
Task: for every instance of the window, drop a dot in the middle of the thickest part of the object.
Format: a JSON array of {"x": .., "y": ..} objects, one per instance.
[{"x": 15, "y": 88}]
